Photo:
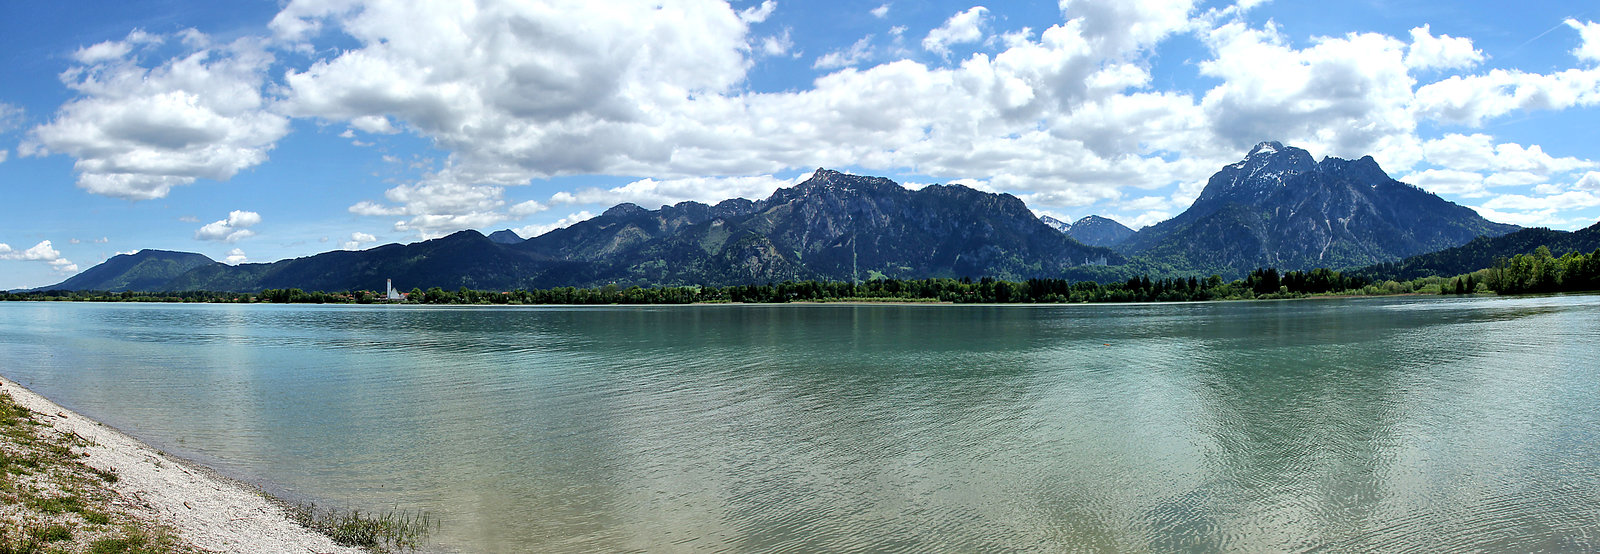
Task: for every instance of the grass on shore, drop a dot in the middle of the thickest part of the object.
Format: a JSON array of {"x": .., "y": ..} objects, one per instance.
[
  {"x": 51, "y": 501},
  {"x": 386, "y": 532}
]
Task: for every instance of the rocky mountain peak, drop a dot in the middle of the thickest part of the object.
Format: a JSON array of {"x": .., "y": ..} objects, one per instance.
[
  {"x": 1268, "y": 166},
  {"x": 624, "y": 209},
  {"x": 505, "y": 236},
  {"x": 1363, "y": 171},
  {"x": 1094, "y": 230}
]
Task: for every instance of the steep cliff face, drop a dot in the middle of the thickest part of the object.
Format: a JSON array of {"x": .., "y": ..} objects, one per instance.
[{"x": 1279, "y": 208}]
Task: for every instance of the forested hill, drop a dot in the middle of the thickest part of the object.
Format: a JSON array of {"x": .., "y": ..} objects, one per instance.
[
  {"x": 1484, "y": 252},
  {"x": 143, "y": 270}
]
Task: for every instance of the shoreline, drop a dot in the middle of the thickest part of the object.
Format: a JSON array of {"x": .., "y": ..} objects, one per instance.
[{"x": 203, "y": 508}]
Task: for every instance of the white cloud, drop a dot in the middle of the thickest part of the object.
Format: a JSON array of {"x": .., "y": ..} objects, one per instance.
[
  {"x": 1145, "y": 219},
  {"x": 1065, "y": 116},
  {"x": 524, "y": 209},
  {"x": 777, "y": 45},
  {"x": 1478, "y": 152},
  {"x": 855, "y": 54},
  {"x": 42, "y": 252},
  {"x": 1441, "y": 52},
  {"x": 1345, "y": 97},
  {"x": 1473, "y": 100},
  {"x": 439, "y": 208},
  {"x": 651, "y": 193},
  {"x": 114, "y": 49},
  {"x": 1545, "y": 218},
  {"x": 4, "y": 154},
  {"x": 357, "y": 239},
  {"x": 963, "y": 27},
  {"x": 1590, "y": 181},
  {"x": 1448, "y": 181},
  {"x": 229, "y": 230},
  {"x": 760, "y": 13},
  {"x": 1589, "y": 33},
  {"x": 139, "y": 131},
  {"x": 880, "y": 12},
  {"x": 536, "y": 230},
  {"x": 375, "y": 124},
  {"x": 10, "y": 117},
  {"x": 1555, "y": 202},
  {"x": 1127, "y": 25},
  {"x": 235, "y": 257}
]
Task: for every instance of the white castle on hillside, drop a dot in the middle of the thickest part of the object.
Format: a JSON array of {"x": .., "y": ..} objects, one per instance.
[{"x": 392, "y": 294}]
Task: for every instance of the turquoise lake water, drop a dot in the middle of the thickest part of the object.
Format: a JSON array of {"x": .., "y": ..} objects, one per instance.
[{"x": 1399, "y": 424}]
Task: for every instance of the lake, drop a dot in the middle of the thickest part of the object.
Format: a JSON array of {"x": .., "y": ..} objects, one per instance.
[{"x": 1386, "y": 424}]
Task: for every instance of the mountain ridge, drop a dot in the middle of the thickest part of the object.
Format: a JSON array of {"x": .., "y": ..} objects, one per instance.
[{"x": 1279, "y": 208}]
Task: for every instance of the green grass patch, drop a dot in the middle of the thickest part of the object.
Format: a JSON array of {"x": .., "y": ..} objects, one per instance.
[
  {"x": 56, "y": 505},
  {"x": 133, "y": 543},
  {"x": 53, "y": 533},
  {"x": 386, "y": 532},
  {"x": 95, "y": 518}
]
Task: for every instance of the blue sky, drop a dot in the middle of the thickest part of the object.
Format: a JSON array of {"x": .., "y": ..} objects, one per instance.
[{"x": 257, "y": 131}]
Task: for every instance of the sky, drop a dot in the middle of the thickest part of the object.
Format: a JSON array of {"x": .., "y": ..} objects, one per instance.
[{"x": 258, "y": 131}]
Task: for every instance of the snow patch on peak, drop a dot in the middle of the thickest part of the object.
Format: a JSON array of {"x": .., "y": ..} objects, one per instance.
[{"x": 1265, "y": 148}]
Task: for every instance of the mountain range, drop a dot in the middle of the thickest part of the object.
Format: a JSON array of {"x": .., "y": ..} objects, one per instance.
[
  {"x": 1277, "y": 207},
  {"x": 832, "y": 226}
]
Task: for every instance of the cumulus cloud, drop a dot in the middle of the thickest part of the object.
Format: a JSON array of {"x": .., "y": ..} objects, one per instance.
[
  {"x": 524, "y": 209},
  {"x": 652, "y": 193},
  {"x": 42, "y": 252},
  {"x": 1468, "y": 184},
  {"x": 138, "y": 131},
  {"x": 1589, "y": 33},
  {"x": 1441, "y": 52},
  {"x": 1474, "y": 99},
  {"x": 229, "y": 230},
  {"x": 357, "y": 239},
  {"x": 1551, "y": 203},
  {"x": 1345, "y": 96},
  {"x": 855, "y": 54},
  {"x": 881, "y": 11},
  {"x": 963, "y": 27},
  {"x": 1064, "y": 116},
  {"x": 536, "y": 230},
  {"x": 1590, "y": 181},
  {"x": 759, "y": 13},
  {"x": 235, "y": 257},
  {"x": 777, "y": 45},
  {"x": 439, "y": 207}
]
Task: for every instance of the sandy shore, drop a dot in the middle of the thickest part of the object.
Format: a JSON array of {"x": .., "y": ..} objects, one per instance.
[{"x": 206, "y": 510}]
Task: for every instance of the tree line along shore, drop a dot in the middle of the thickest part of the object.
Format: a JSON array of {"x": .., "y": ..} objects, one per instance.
[{"x": 1537, "y": 272}]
